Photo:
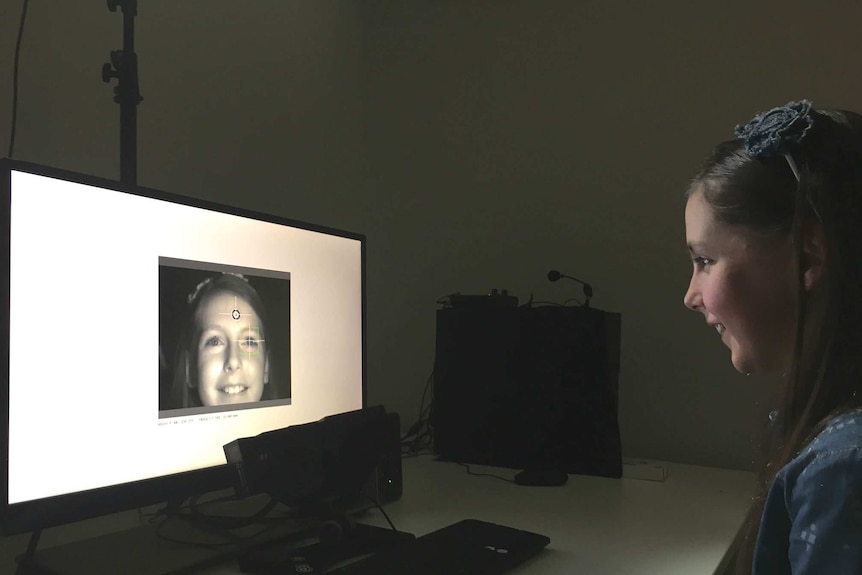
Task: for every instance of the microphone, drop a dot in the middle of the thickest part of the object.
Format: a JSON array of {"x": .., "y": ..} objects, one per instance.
[{"x": 554, "y": 275}]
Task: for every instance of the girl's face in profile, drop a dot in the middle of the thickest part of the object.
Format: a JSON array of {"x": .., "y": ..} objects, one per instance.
[
  {"x": 745, "y": 284},
  {"x": 232, "y": 363}
]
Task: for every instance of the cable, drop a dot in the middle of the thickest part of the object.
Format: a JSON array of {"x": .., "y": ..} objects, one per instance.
[
  {"x": 422, "y": 408},
  {"x": 421, "y": 430},
  {"x": 222, "y": 527},
  {"x": 15, "y": 79},
  {"x": 383, "y": 511},
  {"x": 446, "y": 300},
  {"x": 196, "y": 515},
  {"x": 228, "y": 538},
  {"x": 24, "y": 561},
  {"x": 550, "y": 303},
  {"x": 471, "y": 472}
]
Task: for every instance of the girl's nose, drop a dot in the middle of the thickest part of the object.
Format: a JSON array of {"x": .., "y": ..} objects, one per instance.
[
  {"x": 232, "y": 362},
  {"x": 692, "y": 298}
]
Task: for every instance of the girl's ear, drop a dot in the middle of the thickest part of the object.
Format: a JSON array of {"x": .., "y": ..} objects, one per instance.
[
  {"x": 266, "y": 369},
  {"x": 813, "y": 254}
]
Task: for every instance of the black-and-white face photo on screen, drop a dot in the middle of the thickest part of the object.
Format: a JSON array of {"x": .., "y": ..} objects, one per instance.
[{"x": 224, "y": 338}]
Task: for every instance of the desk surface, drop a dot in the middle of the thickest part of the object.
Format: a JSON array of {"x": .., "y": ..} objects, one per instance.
[{"x": 597, "y": 525}]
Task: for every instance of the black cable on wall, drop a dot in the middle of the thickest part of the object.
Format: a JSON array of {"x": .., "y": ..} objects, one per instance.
[{"x": 15, "y": 79}]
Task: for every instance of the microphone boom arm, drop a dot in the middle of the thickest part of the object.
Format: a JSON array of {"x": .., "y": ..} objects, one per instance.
[{"x": 554, "y": 275}]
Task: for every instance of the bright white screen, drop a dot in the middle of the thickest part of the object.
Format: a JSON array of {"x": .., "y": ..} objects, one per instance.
[{"x": 84, "y": 322}]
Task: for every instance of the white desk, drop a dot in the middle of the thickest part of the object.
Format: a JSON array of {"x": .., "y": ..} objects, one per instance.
[{"x": 597, "y": 526}]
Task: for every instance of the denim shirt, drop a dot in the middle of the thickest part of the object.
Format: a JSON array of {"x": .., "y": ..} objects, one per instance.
[{"x": 812, "y": 517}]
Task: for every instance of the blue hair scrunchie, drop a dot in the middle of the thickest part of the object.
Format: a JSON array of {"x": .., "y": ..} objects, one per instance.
[{"x": 778, "y": 131}]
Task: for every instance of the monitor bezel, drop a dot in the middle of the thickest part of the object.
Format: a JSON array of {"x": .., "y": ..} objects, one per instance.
[{"x": 175, "y": 488}]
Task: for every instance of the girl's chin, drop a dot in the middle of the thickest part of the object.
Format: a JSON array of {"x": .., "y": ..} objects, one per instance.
[
  {"x": 743, "y": 369},
  {"x": 740, "y": 361},
  {"x": 747, "y": 366}
]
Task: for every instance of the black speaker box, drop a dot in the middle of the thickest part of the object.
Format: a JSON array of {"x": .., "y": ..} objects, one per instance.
[
  {"x": 528, "y": 388},
  {"x": 386, "y": 483}
]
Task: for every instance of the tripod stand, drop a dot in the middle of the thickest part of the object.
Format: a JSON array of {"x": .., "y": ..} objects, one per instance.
[{"x": 124, "y": 67}]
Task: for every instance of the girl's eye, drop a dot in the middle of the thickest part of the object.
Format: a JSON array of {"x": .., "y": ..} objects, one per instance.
[
  {"x": 248, "y": 344},
  {"x": 701, "y": 262},
  {"x": 212, "y": 341}
]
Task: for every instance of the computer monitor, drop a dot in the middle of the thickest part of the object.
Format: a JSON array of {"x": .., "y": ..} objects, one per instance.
[{"x": 260, "y": 323}]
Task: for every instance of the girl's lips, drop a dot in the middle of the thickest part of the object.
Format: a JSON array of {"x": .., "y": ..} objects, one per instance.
[{"x": 233, "y": 389}]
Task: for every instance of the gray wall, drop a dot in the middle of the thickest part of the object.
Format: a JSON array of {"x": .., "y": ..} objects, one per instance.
[{"x": 477, "y": 144}]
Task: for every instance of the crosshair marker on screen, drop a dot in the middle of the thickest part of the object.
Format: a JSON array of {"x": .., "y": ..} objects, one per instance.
[{"x": 236, "y": 315}]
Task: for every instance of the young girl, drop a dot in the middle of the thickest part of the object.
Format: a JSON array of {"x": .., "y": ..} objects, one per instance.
[
  {"x": 224, "y": 359},
  {"x": 774, "y": 227}
]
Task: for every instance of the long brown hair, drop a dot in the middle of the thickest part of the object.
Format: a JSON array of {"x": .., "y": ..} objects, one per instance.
[{"x": 764, "y": 195}]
